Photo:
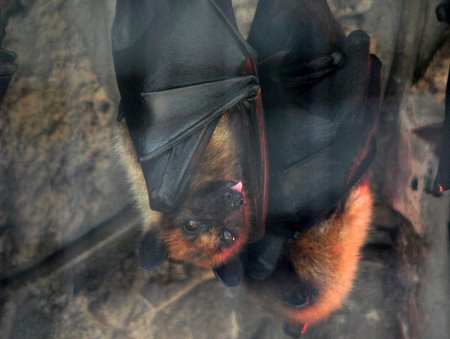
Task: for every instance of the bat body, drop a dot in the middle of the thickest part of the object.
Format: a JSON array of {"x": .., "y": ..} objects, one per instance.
[
  {"x": 320, "y": 92},
  {"x": 193, "y": 139},
  {"x": 213, "y": 222},
  {"x": 318, "y": 269}
]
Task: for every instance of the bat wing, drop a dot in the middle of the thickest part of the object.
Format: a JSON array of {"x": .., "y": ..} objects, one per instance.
[
  {"x": 320, "y": 92},
  {"x": 180, "y": 65},
  {"x": 442, "y": 181},
  {"x": 7, "y": 66}
]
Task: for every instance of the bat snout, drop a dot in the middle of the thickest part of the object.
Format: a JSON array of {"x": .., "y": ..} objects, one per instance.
[{"x": 233, "y": 199}]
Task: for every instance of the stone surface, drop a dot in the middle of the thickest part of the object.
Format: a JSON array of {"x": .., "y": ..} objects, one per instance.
[
  {"x": 127, "y": 302},
  {"x": 244, "y": 11},
  {"x": 57, "y": 173}
]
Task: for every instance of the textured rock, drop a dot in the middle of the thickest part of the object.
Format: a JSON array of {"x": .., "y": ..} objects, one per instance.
[
  {"x": 57, "y": 173},
  {"x": 244, "y": 11}
]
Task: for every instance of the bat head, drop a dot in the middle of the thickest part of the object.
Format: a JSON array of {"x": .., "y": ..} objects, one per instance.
[
  {"x": 224, "y": 204},
  {"x": 208, "y": 229},
  {"x": 316, "y": 273}
]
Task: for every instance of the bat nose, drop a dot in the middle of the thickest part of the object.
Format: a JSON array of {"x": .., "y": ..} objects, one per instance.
[{"x": 233, "y": 199}]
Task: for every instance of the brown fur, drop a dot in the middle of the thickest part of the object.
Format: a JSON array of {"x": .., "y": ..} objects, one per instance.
[
  {"x": 220, "y": 161},
  {"x": 325, "y": 257}
]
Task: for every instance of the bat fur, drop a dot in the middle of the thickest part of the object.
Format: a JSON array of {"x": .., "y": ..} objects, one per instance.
[
  {"x": 324, "y": 261},
  {"x": 219, "y": 163}
]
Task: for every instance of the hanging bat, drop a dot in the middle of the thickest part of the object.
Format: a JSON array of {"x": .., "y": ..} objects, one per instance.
[
  {"x": 193, "y": 138},
  {"x": 315, "y": 273},
  {"x": 320, "y": 93}
]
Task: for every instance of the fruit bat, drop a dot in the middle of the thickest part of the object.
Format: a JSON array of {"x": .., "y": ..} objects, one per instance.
[
  {"x": 320, "y": 92},
  {"x": 193, "y": 136}
]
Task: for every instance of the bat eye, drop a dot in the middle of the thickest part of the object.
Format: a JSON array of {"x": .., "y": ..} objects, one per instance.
[{"x": 192, "y": 226}]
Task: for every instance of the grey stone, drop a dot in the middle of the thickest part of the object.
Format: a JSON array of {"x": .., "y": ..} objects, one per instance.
[{"x": 58, "y": 176}]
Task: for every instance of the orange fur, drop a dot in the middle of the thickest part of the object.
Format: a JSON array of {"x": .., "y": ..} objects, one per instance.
[
  {"x": 205, "y": 251},
  {"x": 220, "y": 161},
  {"x": 180, "y": 248},
  {"x": 326, "y": 257}
]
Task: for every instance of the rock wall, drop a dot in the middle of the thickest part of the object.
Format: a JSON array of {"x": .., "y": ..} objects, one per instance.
[{"x": 56, "y": 128}]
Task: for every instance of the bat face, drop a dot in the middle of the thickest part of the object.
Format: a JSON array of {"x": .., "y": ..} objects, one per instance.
[
  {"x": 210, "y": 226},
  {"x": 216, "y": 217}
]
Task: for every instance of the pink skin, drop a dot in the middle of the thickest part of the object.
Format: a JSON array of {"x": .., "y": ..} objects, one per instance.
[{"x": 238, "y": 187}]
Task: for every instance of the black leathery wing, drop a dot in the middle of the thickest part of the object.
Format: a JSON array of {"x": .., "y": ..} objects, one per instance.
[{"x": 179, "y": 66}]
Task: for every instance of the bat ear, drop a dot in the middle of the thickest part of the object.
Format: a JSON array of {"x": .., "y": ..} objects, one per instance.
[{"x": 152, "y": 251}]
